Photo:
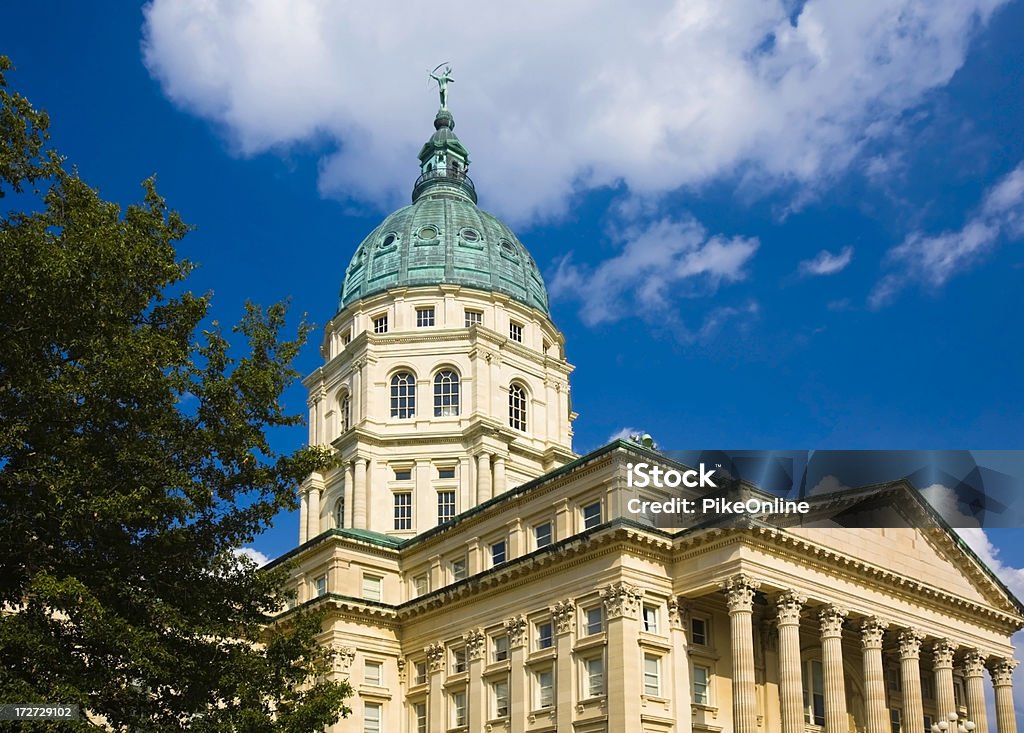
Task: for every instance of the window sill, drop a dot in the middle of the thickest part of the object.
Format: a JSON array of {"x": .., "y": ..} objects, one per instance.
[{"x": 588, "y": 642}]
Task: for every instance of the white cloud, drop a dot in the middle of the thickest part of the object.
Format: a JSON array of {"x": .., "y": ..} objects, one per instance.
[
  {"x": 826, "y": 263},
  {"x": 658, "y": 263},
  {"x": 559, "y": 97},
  {"x": 253, "y": 554},
  {"x": 933, "y": 260},
  {"x": 624, "y": 434},
  {"x": 827, "y": 485}
]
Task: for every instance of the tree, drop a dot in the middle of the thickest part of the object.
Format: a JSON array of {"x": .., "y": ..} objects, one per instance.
[{"x": 133, "y": 461}]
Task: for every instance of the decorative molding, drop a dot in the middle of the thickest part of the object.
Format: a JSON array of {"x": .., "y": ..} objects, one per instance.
[
  {"x": 401, "y": 670},
  {"x": 564, "y": 615},
  {"x": 832, "y": 618},
  {"x": 435, "y": 656},
  {"x": 788, "y": 606},
  {"x": 910, "y": 644},
  {"x": 516, "y": 628},
  {"x": 678, "y": 612},
  {"x": 621, "y": 600},
  {"x": 872, "y": 632},
  {"x": 476, "y": 644},
  {"x": 343, "y": 658},
  {"x": 739, "y": 592}
]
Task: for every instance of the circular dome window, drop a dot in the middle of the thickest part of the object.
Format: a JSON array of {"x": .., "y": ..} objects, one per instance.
[
  {"x": 389, "y": 239},
  {"x": 471, "y": 235},
  {"x": 428, "y": 233},
  {"x": 507, "y": 247}
]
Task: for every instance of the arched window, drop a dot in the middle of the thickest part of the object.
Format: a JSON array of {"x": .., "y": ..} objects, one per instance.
[
  {"x": 339, "y": 513},
  {"x": 446, "y": 393},
  {"x": 517, "y": 406},
  {"x": 346, "y": 412},
  {"x": 403, "y": 395}
]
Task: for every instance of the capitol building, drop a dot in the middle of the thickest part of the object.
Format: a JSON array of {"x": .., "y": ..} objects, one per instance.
[{"x": 478, "y": 576}]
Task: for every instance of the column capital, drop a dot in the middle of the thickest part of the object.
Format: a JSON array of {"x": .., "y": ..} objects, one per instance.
[
  {"x": 678, "y": 612},
  {"x": 435, "y": 656},
  {"x": 872, "y": 629},
  {"x": 832, "y": 618},
  {"x": 974, "y": 663},
  {"x": 474, "y": 639},
  {"x": 621, "y": 600},
  {"x": 910, "y": 643},
  {"x": 788, "y": 606},
  {"x": 516, "y": 627},
  {"x": 1001, "y": 670},
  {"x": 563, "y": 614},
  {"x": 943, "y": 651},
  {"x": 343, "y": 658},
  {"x": 739, "y": 592}
]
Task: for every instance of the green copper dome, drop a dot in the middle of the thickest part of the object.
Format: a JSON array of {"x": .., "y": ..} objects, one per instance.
[{"x": 442, "y": 237}]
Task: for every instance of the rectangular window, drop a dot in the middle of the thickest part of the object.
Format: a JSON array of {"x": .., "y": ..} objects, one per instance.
[
  {"x": 403, "y": 474},
  {"x": 542, "y": 535},
  {"x": 445, "y": 506},
  {"x": 500, "y": 648},
  {"x": 403, "y": 510},
  {"x": 424, "y": 317},
  {"x": 321, "y": 586},
  {"x": 380, "y": 324},
  {"x": 892, "y": 677},
  {"x": 372, "y": 673},
  {"x": 459, "y": 570},
  {"x": 515, "y": 331},
  {"x": 498, "y": 553},
  {"x": 371, "y": 717},
  {"x": 927, "y": 691},
  {"x": 651, "y": 619},
  {"x": 698, "y": 631},
  {"x": 593, "y": 677},
  {"x": 595, "y": 620},
  {"x": 927, "y": 724},
  {"x": 420, "y": 676},
  {"x": 896, "y": 720},
  {"x": 458, "y": 709},
  {"x": 501, "y": 699},
  {"x": 814, "y": 694},
  {"x": 371, "y": 587},
  {"x": 545, "y": 689},
  {"x": 701, "y": 685},
  {"x": 458, "y": 660},
  {"x": 446, "y": 473},
  {"x": 591, "y": 515},
  {"x": 545, "y": 636},
  {"x": 652, "y": 675},
  {"x": 346, "y": 338},
  {"x": 421, "y": 585},
  {"x": 419, "y": 711},
  {"x": 474, "y": 318}
]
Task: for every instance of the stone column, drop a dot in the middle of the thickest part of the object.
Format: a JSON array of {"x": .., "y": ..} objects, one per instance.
[
  {"x": 483, "y": 477},
  {"x": 563, "y": 616},
  {"x": 499, "y": 476},
  {"x": 303, "y": 516},
  {"x": 831, "y": 618},
  {"x": 359, "y": 517},
  {"x": 682, "y": 696},
  {"x": 518, "y": 687},
  {"x": 910, "y": 678},
  {"x": 791, "y": 690},
  {"x": 871, "y": 632},
  {"x": 623, "y": 681},
  {"x": 942, "y": 662},
  {"x": 313, "y": 513},
  {"x": 476, "y": 692},
  {"x": 1002, "y": 680},
  {"x": 974, "y": 681},
  {"x": 436, "y": 658},
  {"x": 739, "y": 596},
  {"x": 349, "y": 494}
]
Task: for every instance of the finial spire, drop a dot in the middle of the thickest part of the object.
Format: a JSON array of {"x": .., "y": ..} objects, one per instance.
[{"x": 442, "y": 80}]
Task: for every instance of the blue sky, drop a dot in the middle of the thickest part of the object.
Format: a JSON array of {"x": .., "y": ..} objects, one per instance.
[{"x": 764, "y": 225}]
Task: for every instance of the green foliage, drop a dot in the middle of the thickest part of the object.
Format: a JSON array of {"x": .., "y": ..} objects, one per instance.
[{"x": 133, "y": 461}]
